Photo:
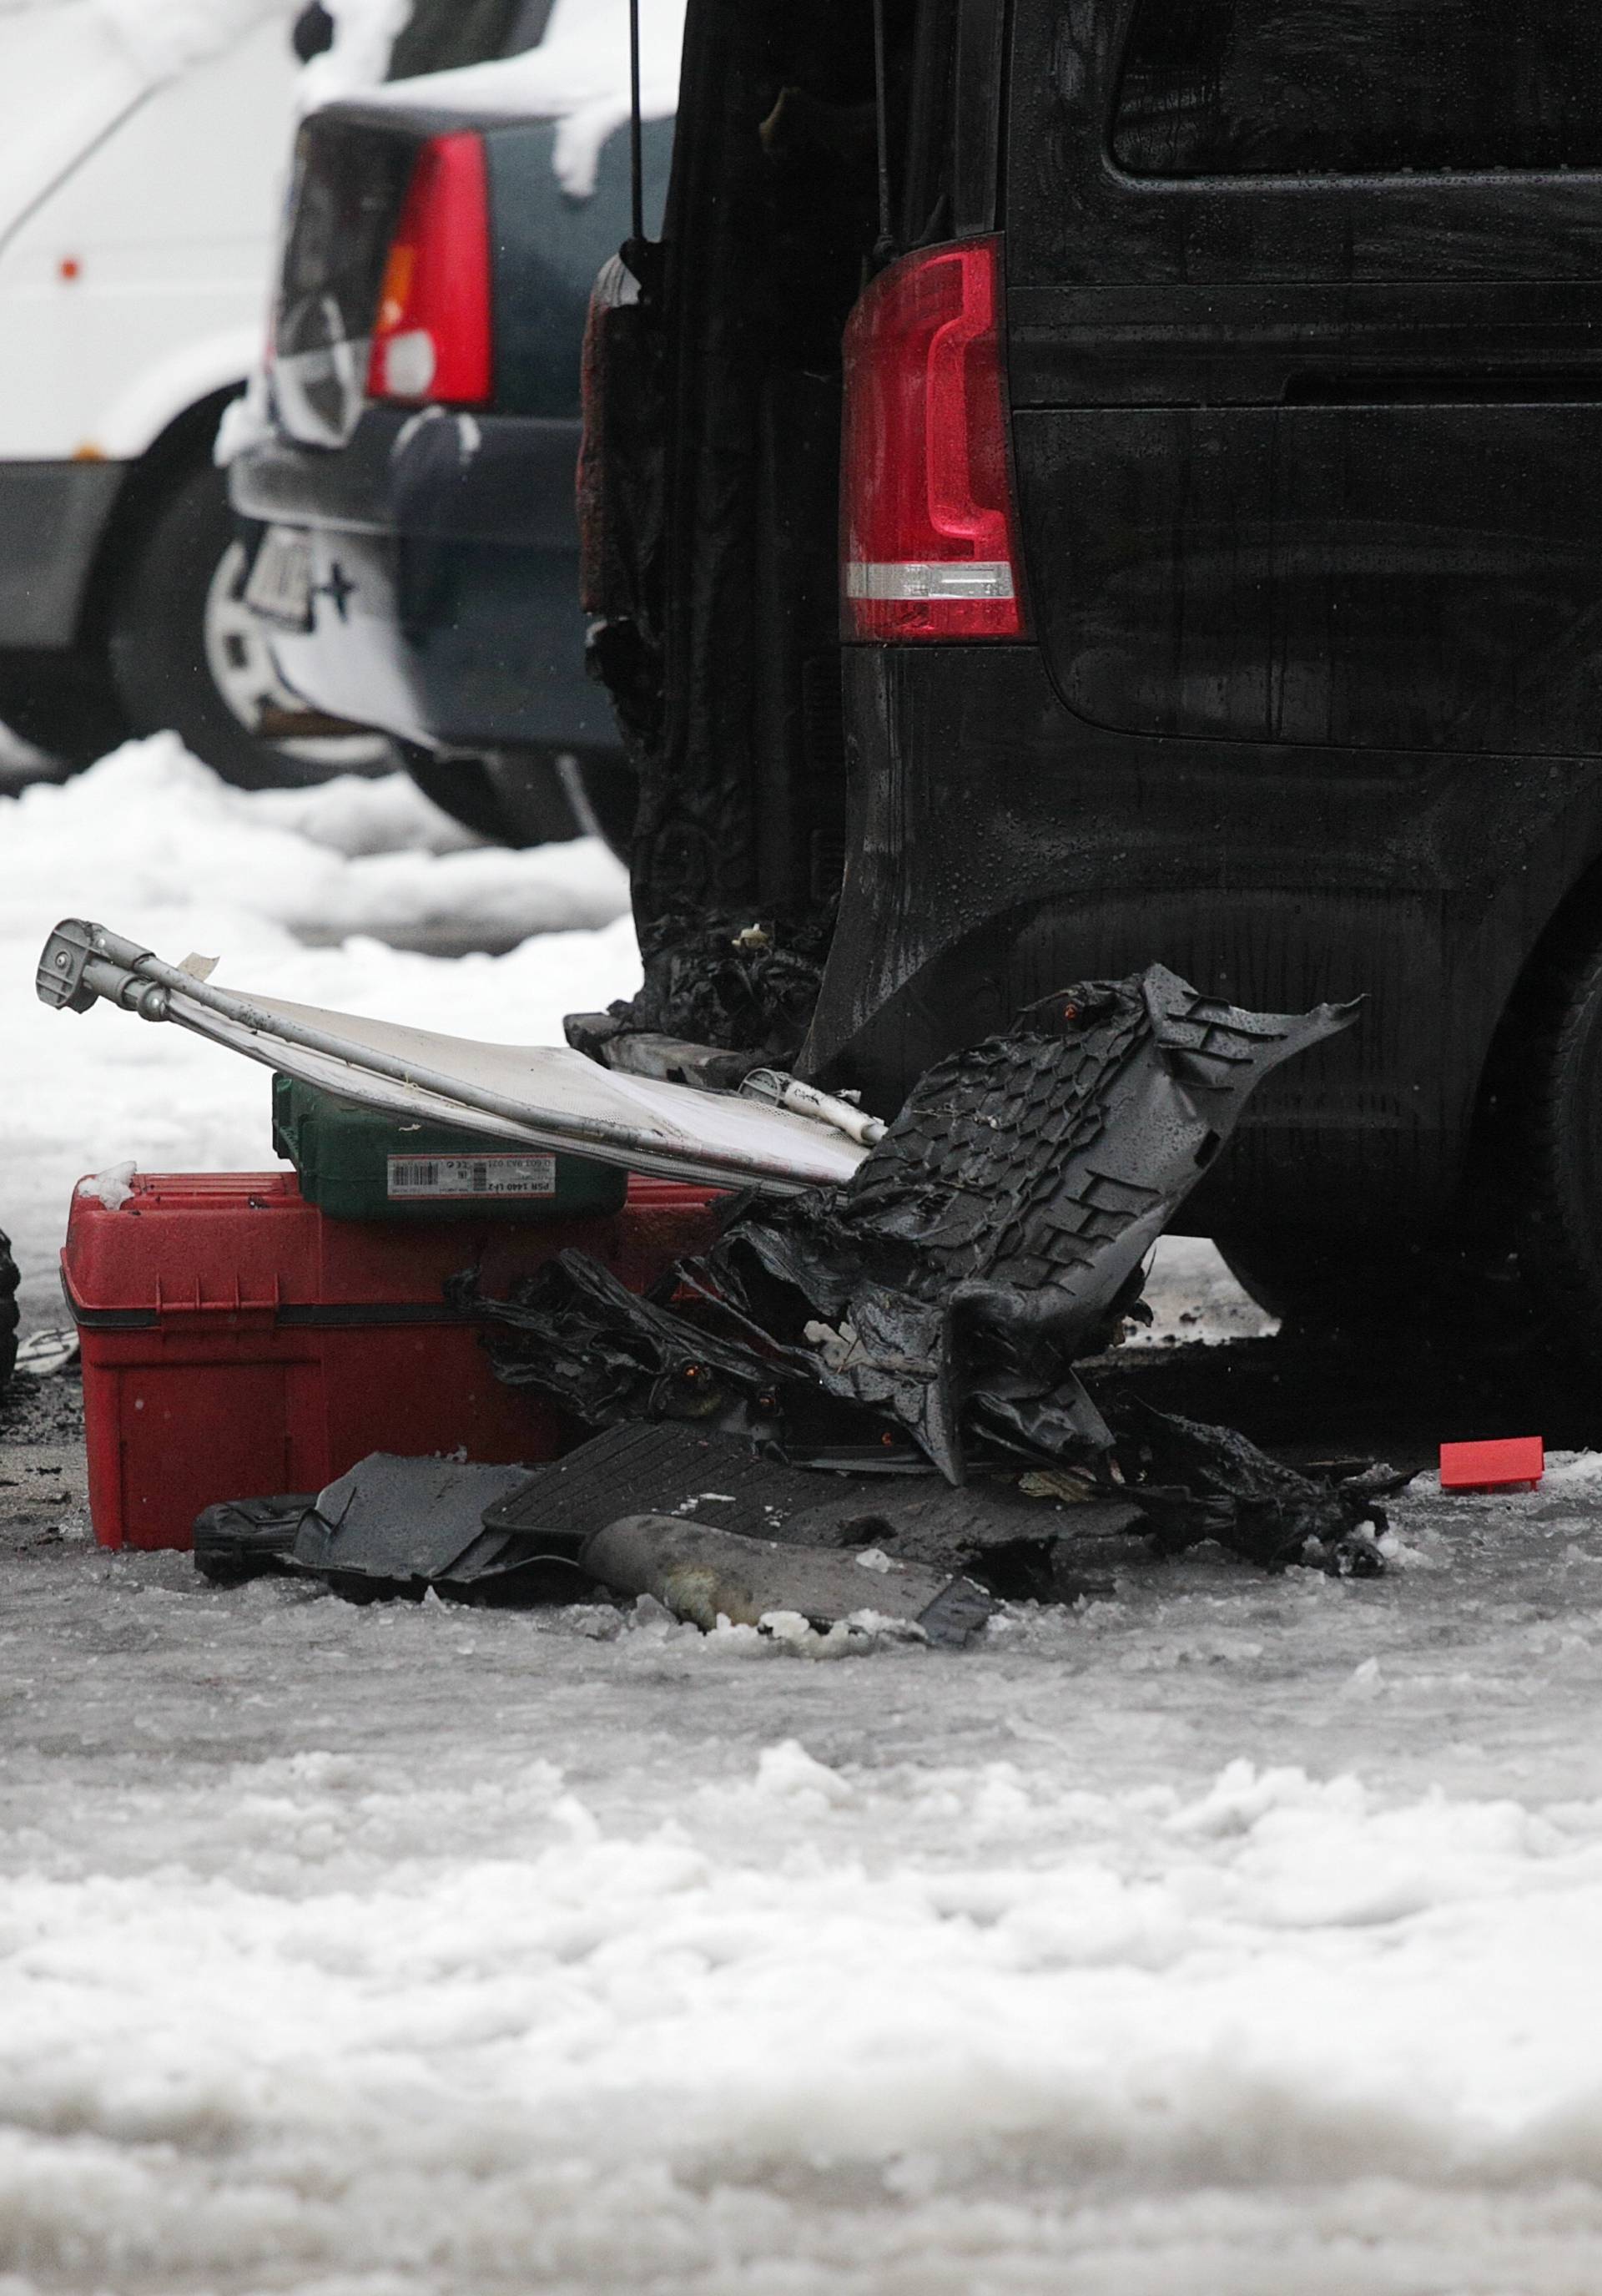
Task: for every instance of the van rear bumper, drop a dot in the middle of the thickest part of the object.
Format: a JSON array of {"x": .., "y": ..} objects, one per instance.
[
  {"x": 1000, "y": 848},
  {"x": 53, "y": 519}
]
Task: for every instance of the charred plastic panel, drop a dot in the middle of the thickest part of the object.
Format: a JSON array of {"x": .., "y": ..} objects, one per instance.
[
  {"x": 999, "y": 844},
  {"x": 997, "y": 1233}
]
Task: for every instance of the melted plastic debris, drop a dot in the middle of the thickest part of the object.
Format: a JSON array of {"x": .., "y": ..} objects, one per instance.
[
  {"x": 1198, "y": 1483},
  {"x": 995, "y": 1236}
]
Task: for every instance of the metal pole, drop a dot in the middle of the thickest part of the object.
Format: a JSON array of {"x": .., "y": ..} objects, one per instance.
[
  {"x": 126, "y": 974},
  {"x": 635, "y": 135},
  {"x": 886, "y": 249}
]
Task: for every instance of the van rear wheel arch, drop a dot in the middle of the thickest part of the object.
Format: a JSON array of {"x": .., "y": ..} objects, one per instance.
[
  {"x": 1537, "y": 1148},
  {"x": 1518, "y": 1259}
]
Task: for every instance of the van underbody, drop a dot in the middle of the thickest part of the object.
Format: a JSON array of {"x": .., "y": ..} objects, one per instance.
[{"x": 987, "y": 836}]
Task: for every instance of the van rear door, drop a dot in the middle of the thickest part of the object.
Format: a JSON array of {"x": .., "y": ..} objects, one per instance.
[{"x": 1306, "y": 310}]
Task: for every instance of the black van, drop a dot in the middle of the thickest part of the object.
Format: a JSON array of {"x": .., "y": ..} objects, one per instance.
[
  {"x": 413, "y": 499},
  {"x": 1215, "y": 572}
]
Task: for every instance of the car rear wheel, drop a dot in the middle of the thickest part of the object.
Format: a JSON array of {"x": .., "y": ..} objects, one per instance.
[
  {"x": 518, "y": 800},
  {"x": 1312, "y": 1285},
  {"x": 187, "y": 654},
  {"x": 8, "y": 1313},
  {"x": 611, "y": 790}
]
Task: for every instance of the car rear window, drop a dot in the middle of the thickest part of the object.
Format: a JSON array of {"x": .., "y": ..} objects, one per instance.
[
  {"x": 1360, "y": 87},
  {"x": 442, "y": 34}
]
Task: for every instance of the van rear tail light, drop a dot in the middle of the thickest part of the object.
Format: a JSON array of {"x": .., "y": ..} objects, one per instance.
[
  {"x": 926, "y": 522},
  {"x": 433, "y": 338}
]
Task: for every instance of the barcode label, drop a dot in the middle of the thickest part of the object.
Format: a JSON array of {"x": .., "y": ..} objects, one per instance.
[{"x": 466, "y": 1176}]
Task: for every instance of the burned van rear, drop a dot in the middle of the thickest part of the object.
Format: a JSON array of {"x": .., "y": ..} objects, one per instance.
[{"x": 1210, "y": 574}]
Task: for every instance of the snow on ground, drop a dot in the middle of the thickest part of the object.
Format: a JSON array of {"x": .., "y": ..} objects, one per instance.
[
  {"x": 1232, "y": 1936},
  {"x": 153, "y": 844},
  {"x": 1192, "y": 1296}
]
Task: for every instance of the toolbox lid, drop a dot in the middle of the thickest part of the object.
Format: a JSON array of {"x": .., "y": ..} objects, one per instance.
[
  {"x": 235, "y": 1245},
  {"x": 362, "y": 1163}
]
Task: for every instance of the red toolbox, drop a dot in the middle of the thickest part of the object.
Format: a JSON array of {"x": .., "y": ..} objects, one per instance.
[{"x": 237, "y": 1344}]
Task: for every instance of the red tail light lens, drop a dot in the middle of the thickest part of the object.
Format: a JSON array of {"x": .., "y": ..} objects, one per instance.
[
  {"x": 433, "y": 338},
  {"x": 926, "y": 520}
]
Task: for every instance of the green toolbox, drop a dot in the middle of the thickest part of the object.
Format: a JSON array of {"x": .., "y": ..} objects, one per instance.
[{"x": 357, "y": 1163}]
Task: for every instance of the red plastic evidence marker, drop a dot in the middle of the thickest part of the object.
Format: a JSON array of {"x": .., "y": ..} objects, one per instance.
[{"x": 1517, "y": 1463}]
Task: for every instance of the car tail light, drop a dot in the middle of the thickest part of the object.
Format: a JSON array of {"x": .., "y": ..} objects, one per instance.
[
  {"x": 433, "y": 337},
  {"x": 927, "y": 520}
]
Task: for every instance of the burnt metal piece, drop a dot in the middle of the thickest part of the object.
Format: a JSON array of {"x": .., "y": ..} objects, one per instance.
[
  {"x": 1197, "y": 1482},
  {"x": 635, "y": 1052},
  {"x": 704, "y": 1575}
]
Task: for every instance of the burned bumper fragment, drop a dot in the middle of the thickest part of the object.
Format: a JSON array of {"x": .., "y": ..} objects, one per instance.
[
  {"x": 996, "y": 1236},
  {"x": 993, "y": 1239}
]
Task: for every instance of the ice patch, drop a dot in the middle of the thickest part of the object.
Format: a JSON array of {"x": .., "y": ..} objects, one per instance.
[
  {"x": 789, "y": 1772},
  {"x": 1571, "y": 1470},
  {"x": 859, "y": 1634}
]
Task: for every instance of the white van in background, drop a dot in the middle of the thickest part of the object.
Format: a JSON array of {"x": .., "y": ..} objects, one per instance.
[{"x": 143, "y": 146}]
